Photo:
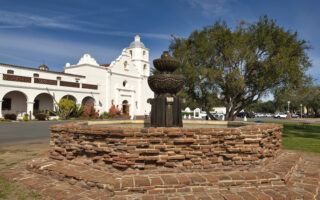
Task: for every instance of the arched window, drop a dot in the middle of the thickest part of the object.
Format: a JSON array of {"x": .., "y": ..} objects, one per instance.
[
  {"x": 125, "y": 65},
  {"x": 131, "y": 53},
  {"x": 144, "y": 53}
]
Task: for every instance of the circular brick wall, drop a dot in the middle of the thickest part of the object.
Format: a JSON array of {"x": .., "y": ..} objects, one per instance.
[{"x": 179, "y": 149}]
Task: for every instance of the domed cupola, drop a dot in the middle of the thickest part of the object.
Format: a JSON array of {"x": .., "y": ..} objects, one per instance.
[
  {"x": 137, "y": 43},
  {"x": 43, "y": 67}
]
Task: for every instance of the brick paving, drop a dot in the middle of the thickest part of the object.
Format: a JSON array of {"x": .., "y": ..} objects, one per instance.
[{"x": 289, "y": 176}]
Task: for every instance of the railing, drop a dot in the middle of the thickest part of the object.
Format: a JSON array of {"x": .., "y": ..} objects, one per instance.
[
  {"x": 25, "y": 79},
  {"x": 45, "y": 81},
  {"x": 10, "y": 77},
  {"x": 69, "y": 84},
  {"x": 89, "y": 86}
]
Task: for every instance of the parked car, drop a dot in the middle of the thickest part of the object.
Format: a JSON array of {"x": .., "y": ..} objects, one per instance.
[
  {"x": 293, "y": 115},
  {"x": 269, "y": 115},
  {"x": 280, "y": 115},
  {"x": 247, "y": 114},
  {"x": 259, "y": 115}
]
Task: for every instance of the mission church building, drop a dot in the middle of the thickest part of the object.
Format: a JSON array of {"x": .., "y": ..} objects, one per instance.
[{"x": 123, "y": 83}]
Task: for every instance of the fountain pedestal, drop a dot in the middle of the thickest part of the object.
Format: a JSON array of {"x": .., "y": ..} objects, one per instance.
[
  {"x": 165, "y": 111},
  {"x": 166, "y": 106}
]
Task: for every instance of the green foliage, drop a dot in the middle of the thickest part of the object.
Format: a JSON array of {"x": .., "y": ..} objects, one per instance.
[
  {"x": 66, "y": 108},
  {"x": 25, "y": 117},
  {"x": 262, "y": 107},
  {"x": 236, "y": 68},
  {"x": 104, "y": 115},
  {"x": 77, "y": 112},
  {"x": 308, "y": 95},
  {"x": 10, "y": 116},
  {"x": 305, "y": 137},
  {"x": 41, "y": 116}
]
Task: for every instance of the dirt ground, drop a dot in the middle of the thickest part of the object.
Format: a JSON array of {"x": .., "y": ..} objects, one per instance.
[{"x": 11, "y": 154}]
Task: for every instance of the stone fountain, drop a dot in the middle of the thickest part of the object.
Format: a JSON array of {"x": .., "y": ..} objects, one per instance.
[
  {"x": 125, "y": 158},
  {"x": 166, "y": 106}
]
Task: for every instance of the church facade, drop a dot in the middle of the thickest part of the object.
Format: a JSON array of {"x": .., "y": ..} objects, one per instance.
[{"x": 122, "y": 83}]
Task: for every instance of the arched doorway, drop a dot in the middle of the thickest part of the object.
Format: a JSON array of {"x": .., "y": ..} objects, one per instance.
[
  {"x": 14, "y": 102},
  {"x": 70, "y": 97},
  {"x": 43, "y": 102},
  {"x": 88, "y": 101},
  {"x": 125, "y": 108}
]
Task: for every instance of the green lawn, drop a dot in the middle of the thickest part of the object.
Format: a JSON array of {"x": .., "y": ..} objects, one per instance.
[{"x": 304, "y": 137}]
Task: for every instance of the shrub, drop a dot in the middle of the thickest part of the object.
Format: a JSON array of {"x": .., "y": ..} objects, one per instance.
[
  {"x": 65, "y": 108},
  {"x": 114, "y": 111},
  {"x": 89, "y": 112},
  {"x": 51, "y": 113},
  {"x": 25, "y": 117},
  {"x": 10, "y": 116},
  {"x": 104, "y": 115},
  {"x": 41, "y": 116},
  {"x": 77, "y": 111}
]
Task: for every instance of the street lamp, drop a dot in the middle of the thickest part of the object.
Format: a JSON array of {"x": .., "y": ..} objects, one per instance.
[
  {"x": 288, "y": 106},
  {"x": 300, "y": 110}
]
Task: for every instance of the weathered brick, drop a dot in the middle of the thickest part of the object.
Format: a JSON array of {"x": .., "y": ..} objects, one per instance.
[{"x": 140, "y": 181}]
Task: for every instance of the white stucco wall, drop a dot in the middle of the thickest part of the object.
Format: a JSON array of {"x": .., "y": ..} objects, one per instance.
[{"x": 96, "y": 75}]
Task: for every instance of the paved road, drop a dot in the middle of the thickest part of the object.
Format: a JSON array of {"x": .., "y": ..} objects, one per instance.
[
  {"x": 293, "y": 120},
  {"x": 16, "y": 132}
]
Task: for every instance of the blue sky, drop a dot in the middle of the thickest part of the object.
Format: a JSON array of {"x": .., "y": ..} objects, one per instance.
[{"x": 55, "y": 32}]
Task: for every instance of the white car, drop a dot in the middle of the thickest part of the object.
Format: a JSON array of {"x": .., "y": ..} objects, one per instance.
[
  {"x": 280, "y": 115},
  {"x": 293, "y": 115},
  {"x": 269, "y": 115},
  {"x": 259, "y": 115}
]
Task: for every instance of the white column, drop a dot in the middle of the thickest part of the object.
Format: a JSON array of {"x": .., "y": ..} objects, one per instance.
[
  {"x": 1, "y": 109},
  {"x": 30, "y": 109}
]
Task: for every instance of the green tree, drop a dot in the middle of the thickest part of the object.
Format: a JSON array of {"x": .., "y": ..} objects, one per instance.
[
  {"x": 307, "y": 95},
  {"x": 262, "y": 107},
  {"x": 313, "y": 100},
  {"x": 237, "y": 67}
]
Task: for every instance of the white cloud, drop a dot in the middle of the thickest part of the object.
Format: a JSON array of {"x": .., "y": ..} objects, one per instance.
[
  {"x": 210, "y": 7},
  {"x": 19, "y": 20},
  {"x": 35, "y": 49},
  {"x": 24, "y": 20}
]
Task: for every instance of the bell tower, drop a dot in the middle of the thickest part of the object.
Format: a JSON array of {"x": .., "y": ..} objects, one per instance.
[{"x": 140, "y": 56}]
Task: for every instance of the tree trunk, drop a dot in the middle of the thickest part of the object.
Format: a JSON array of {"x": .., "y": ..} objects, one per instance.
[{"x": 230, "y": 115}]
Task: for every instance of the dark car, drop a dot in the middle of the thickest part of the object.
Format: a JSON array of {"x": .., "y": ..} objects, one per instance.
[{"x": 247, "y": 114}]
